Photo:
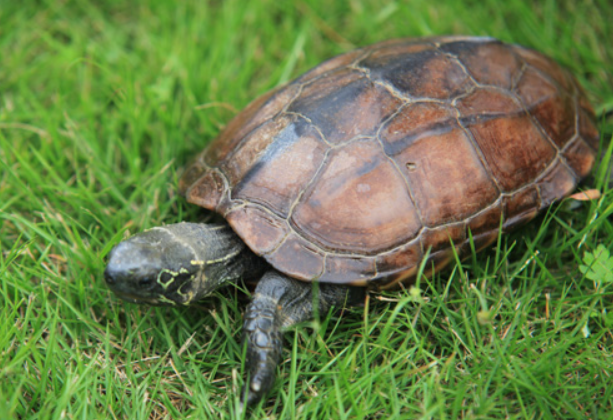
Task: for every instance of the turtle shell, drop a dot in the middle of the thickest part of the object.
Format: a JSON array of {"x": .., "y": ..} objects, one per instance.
[{"x": 354, "y": 171}]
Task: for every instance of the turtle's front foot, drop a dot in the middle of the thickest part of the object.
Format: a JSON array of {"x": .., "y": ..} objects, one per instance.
[
  {"x": 279, "y": 302},
  {"x": 264, "y": 345}
]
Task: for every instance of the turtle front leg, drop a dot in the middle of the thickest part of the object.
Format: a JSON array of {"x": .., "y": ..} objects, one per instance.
[{"x": 280, "y": 302}]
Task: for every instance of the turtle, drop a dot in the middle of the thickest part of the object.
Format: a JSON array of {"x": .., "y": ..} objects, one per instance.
[{"x": 377, "y": 162}]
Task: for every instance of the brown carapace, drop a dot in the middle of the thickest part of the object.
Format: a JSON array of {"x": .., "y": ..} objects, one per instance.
[{"x": 353, "y": 171}]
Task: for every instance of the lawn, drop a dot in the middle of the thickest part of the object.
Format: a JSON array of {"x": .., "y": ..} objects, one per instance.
[{"x": 102, "y": 103}]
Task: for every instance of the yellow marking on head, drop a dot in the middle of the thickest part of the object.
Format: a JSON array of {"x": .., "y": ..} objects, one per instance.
[
  {"x": 164, "y": 299},
  {"x": 225, "y": 257},
  {"x": 188, "y": 297},
  {"x": 197, "y": 262},
  {"x": 216, "y": 227},
  {"x": 173, "y": 277}
]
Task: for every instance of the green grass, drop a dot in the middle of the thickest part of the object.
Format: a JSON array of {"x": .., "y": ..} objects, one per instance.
[{"x": 103, "y": 102}]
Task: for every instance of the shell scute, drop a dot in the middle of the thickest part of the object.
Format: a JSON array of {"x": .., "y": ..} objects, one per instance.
[
  {"x": 579, "y": 157},
  {"x": 424, "y": 74},
  {"x": 558, "y": 178},
  {"x": 488, "y": 63},
  {"x": 347, "y": 269},
  {"x": 309, "y": 265},
  {"x": 345, "y": 105},
  {"x": 284, "y": 168},
  {"x": 266, "y": 229},
  {"x": 514, "y": 149}
]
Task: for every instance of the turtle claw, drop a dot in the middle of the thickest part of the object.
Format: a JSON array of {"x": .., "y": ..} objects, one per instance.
[{"x": 251, "y": 396}]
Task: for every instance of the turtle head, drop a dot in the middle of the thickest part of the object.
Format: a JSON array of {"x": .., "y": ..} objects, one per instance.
[{"x": 171, "y": 265}]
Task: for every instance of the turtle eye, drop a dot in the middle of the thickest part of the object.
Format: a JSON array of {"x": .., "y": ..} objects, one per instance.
[{"x": 145, "y": 281}]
